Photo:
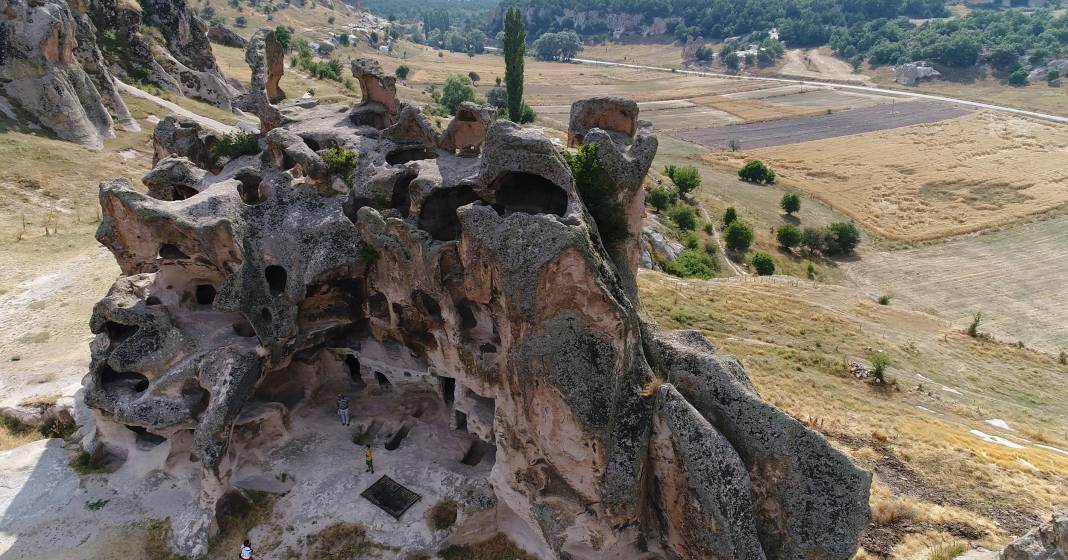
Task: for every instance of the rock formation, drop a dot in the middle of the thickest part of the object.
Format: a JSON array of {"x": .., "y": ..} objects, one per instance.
[
  {"x": 910, "y": 74},
  {"x": 1048, "y": 541},
  {"x": 467, "y": 131},
  {"x": 223, "y": 35},
  {"x": 42, "y": 80},
  {"x": 479, "y": 283},
  {"x": 161, "y": 42}
]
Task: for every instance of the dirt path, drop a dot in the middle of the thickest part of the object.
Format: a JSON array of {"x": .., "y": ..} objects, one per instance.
[
  {"x": 738, "y": 271},
  {"x": 179, "y": 111}
]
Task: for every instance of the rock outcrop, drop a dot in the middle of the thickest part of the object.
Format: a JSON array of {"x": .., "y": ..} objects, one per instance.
[
  {"x": 162, "y": 43},
  {"x": 467, "y": 131},
  {"x": 266, "y": 59},
  {"x": 42, "y": 79},
  {"x": 479, "y": 283},
  {"x": 1048, "y": 541},
  {"x": 911, "y": 73},
  {"x": 222, "y": 35}
]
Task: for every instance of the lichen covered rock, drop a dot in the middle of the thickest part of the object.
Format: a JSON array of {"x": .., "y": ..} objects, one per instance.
[{"x": 481, "y": 280}]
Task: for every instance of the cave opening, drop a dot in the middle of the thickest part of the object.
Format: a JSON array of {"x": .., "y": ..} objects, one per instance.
[
  {"x": 205, "y": 294},
  {"x": 477, "y": 450},
  {"x": 118, "y": 332},
  {"x": 182, "y": 192},
  {"x": 250, "y": 187},
  {"x": 276, "y": 279},
  {"x": 244, "y": 329},
  {"x": 127, "y": 380},
  {"x": 529, "y": 194},
  {"x": 414, "y": 153},
  {"x": 383, "y": 381},
  {"x": 168, "y": 251},
  {"x": 448, "y": 389},
  {"x": 145, "y": 439},
  {"x": 395, "y": 440},
  {"x": 400, "y": 199},
  {"x": 438, "y": 215}
]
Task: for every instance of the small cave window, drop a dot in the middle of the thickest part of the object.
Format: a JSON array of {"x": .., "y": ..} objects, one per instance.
[
  {"x": 112, "y": 380},
  {"x": 353, "y": 365},
  {"x": 379, "y": 306},
  {"x": 276, "y": 279},
  {"x": 265, "y": 314},
  {"x": 467, "y": 315},
  {"x": 476, "y": 451},
  {"x": 153, "y": 301},
  {"x": 382, "y": 380},
  {"x": 145, "y": 439},
  {"x": 466, "y": 116},
  {"x": 205, "y": 294},
  {"x": 182, "y": 192},
  {"x": 118, "y": 332},
  {"x": 312, "y": 143},
  {"x": 448, "y": 389},
  {"x": 415, "y": 153},
  {"x": 427, "y": 305},
  {"x": 171, "y": 252},
  {"x": 529, "y": 194},
  {"x": 460, "y": 421},
  {"x": 251, "y": 189},
  {"x": 438, "y": 215},
  {"x": 400, "y": 199}
]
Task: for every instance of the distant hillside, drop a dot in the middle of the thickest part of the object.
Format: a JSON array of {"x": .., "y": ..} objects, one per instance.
[
  {"x": 800, "y": 22},
  {"x": 410, "y": 10}
]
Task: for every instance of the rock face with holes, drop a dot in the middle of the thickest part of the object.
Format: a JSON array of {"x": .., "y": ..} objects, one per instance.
[
  {"x": 1048, "y": 541},
  {"x": 478, "y": 282},
  {"x": 44, "y": 83},
  {"x": 161, "y": 42}
]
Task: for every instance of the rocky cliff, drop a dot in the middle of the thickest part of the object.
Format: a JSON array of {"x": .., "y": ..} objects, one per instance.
[
  {"x": 51, "y": 75},
  {"x": 161, "y": 42},
  {"x": 459, "y": 272}
]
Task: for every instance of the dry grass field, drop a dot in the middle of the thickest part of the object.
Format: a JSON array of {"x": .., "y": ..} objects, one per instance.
[
  {"x": 936, "y": 480},
  {"x": 818, "y": 64},
  {"x": 930, "y": 181}
]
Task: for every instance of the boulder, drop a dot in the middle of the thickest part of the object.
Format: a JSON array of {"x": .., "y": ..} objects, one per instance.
[
  {"x": 379, "y": 107},
  {"x": 41, "y": 76},
  {"x": 223, "y": 35},
  {"x": 911, "y": 73},
  {"x": 1048, "y": 541},
  {"x": 480, "y": 283},
  {"x": 467, "y": 130}
]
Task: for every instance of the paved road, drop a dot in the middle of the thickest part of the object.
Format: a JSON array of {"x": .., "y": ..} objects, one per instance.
[
  {"x": 179, "y": 111},
  {"x": 869, "y": 89}
]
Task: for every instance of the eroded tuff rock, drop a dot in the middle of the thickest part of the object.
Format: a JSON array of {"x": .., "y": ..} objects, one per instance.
[
  {"x": 42, "y": 78},
  {"x": 223, "y": 35},
  {"x": 467, "y": 131},
  {"x": 480, "y": 283},
  {"x": 1048, "y": 541},
  {"x": 185, "y": 64}
]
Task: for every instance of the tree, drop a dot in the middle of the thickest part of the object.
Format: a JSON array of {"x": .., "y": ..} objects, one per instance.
[
  {"x": 1004, "y": 57},
  {"x": 739, "y": 236},
  {"x": 732, "y": 61},
  {"x": 790, "y": 203},
  {"x": 703, "y": 53},
  {"x": 374, "y": 37},
  {"x": 1053, "y": 76},
  {"x": 660, "y": 198},
  {"x": 456, "y": 90},
  {"x": 879, "y": 362},
  {"x": 842, "y": 238},
  {"x": 788, "y": 236},
  {"x": 284, "y": 37},
  {"x": 684, "y": 216},
  {"x": 402, "y": 71},
  {"x": 1018, "y": 77},
  {"x": 693, "y": 263},
  {"x": 755, "y": 171},
  {"x": 473, "y": 76},
  {"x": 515, "y": 37},
  {"x": 729, "y": 216},
  {"x": 763, "y": 263},
  {"x": 343, "y": 39},
  {"x": 813, "y": 239},
  {"x": 598, "y": 193},
  {"x": 240, "y": 21},
  {"x": 686, "y": 178}
]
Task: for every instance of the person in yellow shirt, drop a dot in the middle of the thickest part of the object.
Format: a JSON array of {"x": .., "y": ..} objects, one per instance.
[{"x": 370, "y": 461}]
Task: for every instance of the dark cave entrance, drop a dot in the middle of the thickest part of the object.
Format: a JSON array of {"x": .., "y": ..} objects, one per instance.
[{"x": 529, "y": 194}]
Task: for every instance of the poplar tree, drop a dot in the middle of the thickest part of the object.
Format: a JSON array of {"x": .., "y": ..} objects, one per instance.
[{"x": 515, "y": 47}]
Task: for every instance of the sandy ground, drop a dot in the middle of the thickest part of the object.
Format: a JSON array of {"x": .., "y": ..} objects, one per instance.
[
  {"x": 819, "y": 64},
  {"x": 930, "y": 181}
]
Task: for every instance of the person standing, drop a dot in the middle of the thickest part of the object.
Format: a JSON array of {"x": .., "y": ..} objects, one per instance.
[
  {"x": 246, "y": 550},
  {"x": 370, "y": 461},
  {"x": 343, "y": 409}
]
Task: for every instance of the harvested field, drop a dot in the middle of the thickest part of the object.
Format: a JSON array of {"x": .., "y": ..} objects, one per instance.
[
  {"x": 819, "y": 64},
  {"x": 808, "y": 96},
  {"x": 792, "y": 131},
  {"x": 665, "y": 115},
  {"x": 933, "y": 180},
  {"x": 1015, "y": 277}
]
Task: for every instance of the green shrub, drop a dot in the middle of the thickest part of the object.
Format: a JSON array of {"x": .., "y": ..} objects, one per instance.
[
  {"x": 754, "y": 171},
  {"x": 684, "y": 216},
  {"x": 402, "y": 71},
  {"x": 692, "y": 263},
  {"x": 739, "y": 236},
  {"x": 690, "y": 241},
  {"x": 236, "y": 144},
  {"x": 948, "y": 551},
  {"x": 527, "y": 114},
  {"x": 814, "y": 239},
  {"x": 367, "y": 252},
  {"x": 1018, "y": 78},
  {"x": 763, "y": 263},
  {"x": 729, "y": 215},
  {"x": 1053, "y": 76},
  {"x": 598, "y": 193},
  {"x": 790, "y": 203},
  {"x": 842, "y": 238},
  {"x": 660, "y": 198},
  {"x": 884, "y": 299},
  {"x": 788, "y": 236},
  {"x": 284, "y": 37},
  {"x": 457, "y": 89},
  {"x": 686, "y": 178},
  {"x": 879, "y": 362},
  {"x": 973, "y": 329},
  {"x": 340, "y": 161}
]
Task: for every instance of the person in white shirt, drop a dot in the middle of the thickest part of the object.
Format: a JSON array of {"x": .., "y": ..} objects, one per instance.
[{"x": 246, "y": 550}]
